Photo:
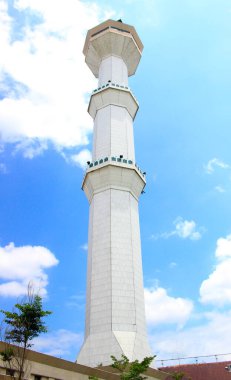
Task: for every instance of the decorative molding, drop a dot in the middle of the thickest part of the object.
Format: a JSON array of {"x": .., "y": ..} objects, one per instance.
[{"x": 112, "y": 94}]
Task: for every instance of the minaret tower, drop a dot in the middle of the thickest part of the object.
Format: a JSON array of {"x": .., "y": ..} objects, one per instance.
[{"x": 115, "y": 317}]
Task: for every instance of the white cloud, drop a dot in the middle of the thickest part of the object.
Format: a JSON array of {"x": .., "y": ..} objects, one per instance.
[
  {"x": 184, "y": 229},
  {"x": 13, "y": 289},
  {"x": 31, "y": 148},
  {"x": 172, "y": 265},
  {"x": 220, "y": 189},
  {"x": 205, "y": 333},
  {"x": 3, "y": 168},
  {"x": 5, "y": 22},
  {"x": 44, "y": 75},
  {"x": 84, "y": 247},
  {"x": 211, "y": 336},
  {"x": 216, "y": 290},
  {"x": 76, "y": 301},
  {"x": 81, "y": 158},
  {"x": 59, "y": 343},
  {"x": 215, "y": 162},
  {"x": 223, "y": 249},
  {"x": 163, "y": 309},
  {"x": 21, "y": 265}
]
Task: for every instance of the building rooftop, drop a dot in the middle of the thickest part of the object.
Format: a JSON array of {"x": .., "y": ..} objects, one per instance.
[{"x": 202, "y": 371}]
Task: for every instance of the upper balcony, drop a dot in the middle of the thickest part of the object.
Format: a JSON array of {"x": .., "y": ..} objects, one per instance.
[
  {"x": 113, "y": 172},
  {"x": 112, "y": 38}
]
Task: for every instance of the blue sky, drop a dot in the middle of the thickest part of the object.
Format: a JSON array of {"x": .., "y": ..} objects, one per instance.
[{"x": 182, "y": 139}]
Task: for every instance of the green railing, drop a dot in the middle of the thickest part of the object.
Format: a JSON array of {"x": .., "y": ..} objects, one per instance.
[
  {"x": 111, "y": 85},
  {"x": 114, "y": 159}
]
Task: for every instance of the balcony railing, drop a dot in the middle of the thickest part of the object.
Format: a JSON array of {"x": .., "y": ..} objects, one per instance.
[{"x": 115, "y": 159}]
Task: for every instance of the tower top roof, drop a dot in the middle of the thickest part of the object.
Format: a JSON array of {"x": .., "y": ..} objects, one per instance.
[{"x": 112, "y": 38}]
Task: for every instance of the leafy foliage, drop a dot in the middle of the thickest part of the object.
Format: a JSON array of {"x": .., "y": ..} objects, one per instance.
[
  {"x": 26, "y": 323},
  {"x": 22, "y": 325},
  {"x": 7, "y": 355},
  {"x": 133, "y": 370},
  {"x": 179, "y": 376}
]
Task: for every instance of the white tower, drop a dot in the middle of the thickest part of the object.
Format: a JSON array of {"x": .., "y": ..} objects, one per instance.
[{"x": 115, "y": 317}]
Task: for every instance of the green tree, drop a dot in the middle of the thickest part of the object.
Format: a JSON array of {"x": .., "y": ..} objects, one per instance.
[
  {"x": 21, "y": 326},
  {"x": 179, "y": 376},
  {"x": 133, "y": 370}
]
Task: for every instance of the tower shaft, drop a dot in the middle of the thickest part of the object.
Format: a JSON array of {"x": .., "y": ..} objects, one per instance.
[{"x": 115, "y": 316}]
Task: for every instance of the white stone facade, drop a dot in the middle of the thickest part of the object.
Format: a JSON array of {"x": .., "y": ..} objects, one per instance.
[
  {"x": 113, "y": 133},
  {"x": 113, "y": 67},
  {"x": 115, "y": 315}
]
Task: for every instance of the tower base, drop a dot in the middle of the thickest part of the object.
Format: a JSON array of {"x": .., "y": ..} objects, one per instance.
[{"x": 98, "y": 348}]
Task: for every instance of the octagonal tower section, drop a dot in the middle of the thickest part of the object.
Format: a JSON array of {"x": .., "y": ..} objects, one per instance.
[{"x": 115, "y": 317}]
